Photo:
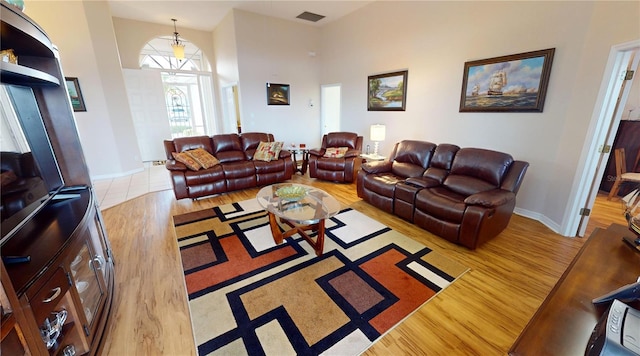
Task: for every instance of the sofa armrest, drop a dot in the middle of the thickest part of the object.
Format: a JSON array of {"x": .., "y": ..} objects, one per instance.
[
  {"x": 174, "y": 165},
  {"x": 490, "y": 198},
  {"x": 317, "y": 152},
  {"x": 352, "y": 153},
  {"x": 284, "y": 154},
  {"x": 377, "y": 167}
]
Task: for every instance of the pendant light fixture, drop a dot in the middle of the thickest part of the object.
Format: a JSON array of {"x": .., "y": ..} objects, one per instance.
[{"x": 176, "y": 44}]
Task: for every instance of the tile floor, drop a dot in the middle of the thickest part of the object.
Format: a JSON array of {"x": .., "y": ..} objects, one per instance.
[{"x": 114, "y": 191}]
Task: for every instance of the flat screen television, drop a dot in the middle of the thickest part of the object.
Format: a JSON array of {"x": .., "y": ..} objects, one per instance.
[{"x": 30, "y": 172}]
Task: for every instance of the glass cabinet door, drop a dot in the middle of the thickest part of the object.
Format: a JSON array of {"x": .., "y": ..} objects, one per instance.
[{"x": 84, "y": 269}]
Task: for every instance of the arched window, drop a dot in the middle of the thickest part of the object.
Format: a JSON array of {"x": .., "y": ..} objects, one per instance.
[
  {"x": 158, "y": 53},
  {"x": 188, "y": 86}
]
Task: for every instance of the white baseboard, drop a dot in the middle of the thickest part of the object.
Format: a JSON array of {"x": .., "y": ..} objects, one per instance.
[{"x": 541, "y": 218}]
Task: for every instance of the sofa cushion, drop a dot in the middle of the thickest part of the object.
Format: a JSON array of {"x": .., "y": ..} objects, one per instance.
[
  {"x": 251, "y": 140},
  {"x": 182, "y": 144},
  {"x": 274, "y": 166},
  {"x": 267, "y": 151},
  {"x": 335, "y": 152},
  {"x": 235, "y": 170},
  {"x": 441, "y": 203},
  {"x": 483, "y": 164},
  {"x": 187, "y": 160},
  {"x": 382, "y": 184},
  {"x": 466, "y": 185},
  {"x": 342, "y": 139},
  {"x": 414, "y": 152},
  {"x": 203, "y": 177},
  {"x": 226, "y": 142},
  {"x": 405, "y": 170},
  {"x": 204, "y": 158}
]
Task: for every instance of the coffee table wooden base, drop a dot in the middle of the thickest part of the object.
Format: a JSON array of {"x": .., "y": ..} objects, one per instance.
[{"x": 279, "y": 236}]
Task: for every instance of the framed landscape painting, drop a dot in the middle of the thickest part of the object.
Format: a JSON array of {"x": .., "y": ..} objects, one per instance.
[
  {"x": 516, "y": 83},
  {"x": 387, "y": 92},
  {"x": 73, "y": 88},
  {"x": 277, "y": 94}
]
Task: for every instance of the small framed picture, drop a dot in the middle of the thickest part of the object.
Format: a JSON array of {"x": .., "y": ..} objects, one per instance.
[
  {"x": 277, "y": 94},
  {"x": 75, "y": 94}
]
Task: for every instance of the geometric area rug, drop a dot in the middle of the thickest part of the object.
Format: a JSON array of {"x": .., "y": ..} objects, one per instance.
[{"x": 249, "y": 296}]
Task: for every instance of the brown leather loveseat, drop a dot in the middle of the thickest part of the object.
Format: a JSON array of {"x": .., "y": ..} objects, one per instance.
[
  {"x": 235, "y": 169},
  {"x": 465, "y": 195}
]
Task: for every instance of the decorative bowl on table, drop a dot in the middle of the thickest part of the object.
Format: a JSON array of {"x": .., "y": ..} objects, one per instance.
[{"x": 291, "y": 193}]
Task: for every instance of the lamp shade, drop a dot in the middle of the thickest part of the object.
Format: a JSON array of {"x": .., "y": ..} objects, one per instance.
[
  {"x": 377, "y": 132},
  {"x": 178, "y": 51}
]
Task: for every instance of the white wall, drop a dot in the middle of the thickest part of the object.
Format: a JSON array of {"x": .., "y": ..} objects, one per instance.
[
  {"x": 433, "y": 40},
  {"x": 83, "y": 33},
  {"x": 226, "y": 64},
  {"x": 277, "y": 51}
]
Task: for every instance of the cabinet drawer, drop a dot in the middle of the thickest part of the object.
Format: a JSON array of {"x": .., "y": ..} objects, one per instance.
[{"x": 46, "y": 298}]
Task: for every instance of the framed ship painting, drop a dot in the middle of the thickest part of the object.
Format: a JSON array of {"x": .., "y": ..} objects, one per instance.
[
  {"x": 387, "y": 92},
  {"x": 514, "y": 83}
]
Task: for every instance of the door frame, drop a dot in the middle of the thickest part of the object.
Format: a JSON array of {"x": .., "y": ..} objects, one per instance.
[
  {"x": 604, "y": 121},
  {"x": 324, "y": 119}
]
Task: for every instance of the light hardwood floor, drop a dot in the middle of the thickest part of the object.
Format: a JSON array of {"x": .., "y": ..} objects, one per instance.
[{"x": 480, "y": 314}]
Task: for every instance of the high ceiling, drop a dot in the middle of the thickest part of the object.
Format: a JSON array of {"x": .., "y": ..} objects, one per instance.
[{"x": 206, "y": 14}]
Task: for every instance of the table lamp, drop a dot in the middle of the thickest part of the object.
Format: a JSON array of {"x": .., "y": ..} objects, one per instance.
[{"x": 377, "y": 134}]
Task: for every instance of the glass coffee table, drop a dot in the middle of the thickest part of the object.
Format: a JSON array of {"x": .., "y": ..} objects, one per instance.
[{"x": 303, "y": 208}]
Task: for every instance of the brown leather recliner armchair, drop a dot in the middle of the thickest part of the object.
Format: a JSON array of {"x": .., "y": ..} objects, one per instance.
[{"x": 337, "y": 169}]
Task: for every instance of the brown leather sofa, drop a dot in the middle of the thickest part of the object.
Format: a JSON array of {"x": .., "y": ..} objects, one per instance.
[
  {"x": 337, "y": 169},
  {"x": 237, "y": 168},
  {"x": 465, "y": 195}
]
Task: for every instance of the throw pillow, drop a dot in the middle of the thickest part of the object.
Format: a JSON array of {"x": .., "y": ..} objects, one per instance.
[
  {"x": 204, "y": 158},
  {"x": 191, "y": 163},
  {"x": 267, "y": 151},
  {"x": 335, "y": 152}
]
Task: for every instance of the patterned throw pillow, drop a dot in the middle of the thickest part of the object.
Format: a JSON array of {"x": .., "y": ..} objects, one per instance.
[
  {"x": 267, "y": 151},
  {"x": 187, "y": 160},
  {"x": 204, "y": 158},
  {"x": 335, "y": 152}
]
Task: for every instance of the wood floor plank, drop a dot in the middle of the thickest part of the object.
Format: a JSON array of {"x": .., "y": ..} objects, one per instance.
[{"x": 482, "y": 313}]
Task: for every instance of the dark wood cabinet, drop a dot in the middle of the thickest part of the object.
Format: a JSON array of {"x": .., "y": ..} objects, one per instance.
[
  {"x": 59, "y": 300},
  {"x": 564, "y": 322}
]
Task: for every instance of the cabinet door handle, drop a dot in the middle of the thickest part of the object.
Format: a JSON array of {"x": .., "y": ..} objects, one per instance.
[
  {"x": 56, "y": 292},
  {"x": 98, "y": 261}
]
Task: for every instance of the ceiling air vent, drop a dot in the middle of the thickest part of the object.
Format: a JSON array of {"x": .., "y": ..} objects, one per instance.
[{"x": 310, "y": 16}]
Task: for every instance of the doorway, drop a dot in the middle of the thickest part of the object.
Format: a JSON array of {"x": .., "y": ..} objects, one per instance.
[
  {"x": 330, "y": 108},
  {"x": 231, "y": 109},
  {"x": 614, "y": 92}
]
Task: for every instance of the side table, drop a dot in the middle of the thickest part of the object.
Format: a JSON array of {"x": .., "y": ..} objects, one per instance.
[
  {"x": 372, "y": 157},
  {"x": 304, "y": 163}
]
